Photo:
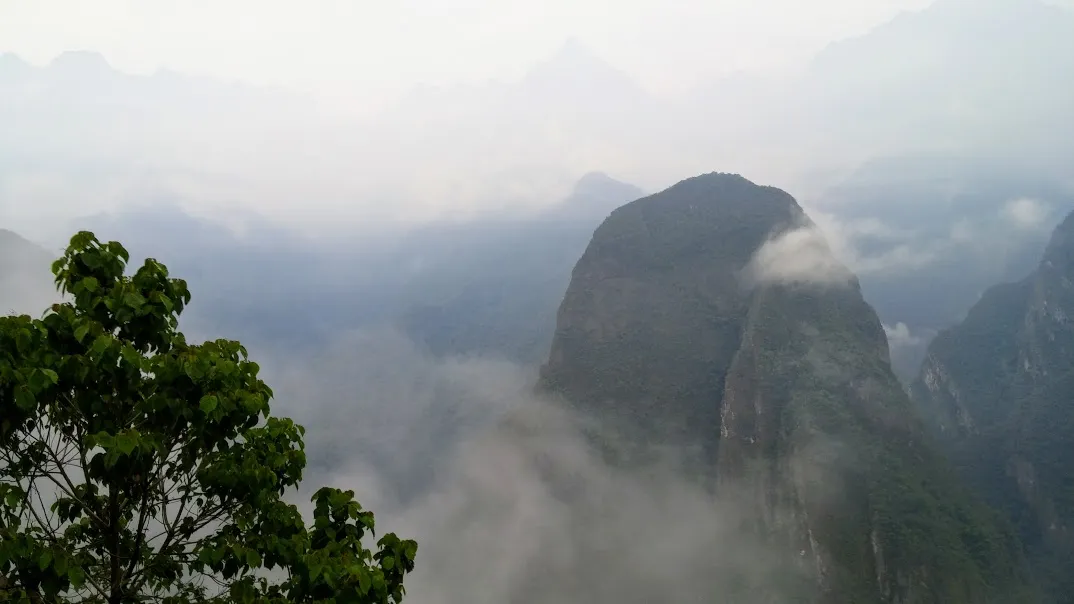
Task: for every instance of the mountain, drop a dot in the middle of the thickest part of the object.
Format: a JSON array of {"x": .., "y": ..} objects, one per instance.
[
  {"x": 711, "y": 318},
  {"x": 958, "y": 77},
  {"x": 26, "y": 284},
  {"x": 997, "y": 389},
  {"x": 494, "y": 288},
  {"x": 79, "y": 136},
  {"x": 929, "y": 233},
  {"x": 487, "y": 287}
]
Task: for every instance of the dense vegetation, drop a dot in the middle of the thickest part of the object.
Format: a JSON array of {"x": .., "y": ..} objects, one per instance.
[
  {"x": 996, "y": 390},
  {"x": 788, "y": 388},
  {"x": 855, "y": 454},
  {"x": 138, "y": 467}
]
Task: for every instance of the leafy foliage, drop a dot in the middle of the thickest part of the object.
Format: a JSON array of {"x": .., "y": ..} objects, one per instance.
[{"x": 137, "y": 467}]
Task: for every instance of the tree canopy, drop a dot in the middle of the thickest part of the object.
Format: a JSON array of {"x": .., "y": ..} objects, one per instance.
[{"x": 136, "y": 467}]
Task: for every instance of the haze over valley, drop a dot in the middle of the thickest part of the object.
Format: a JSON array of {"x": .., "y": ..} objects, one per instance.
[{"x": 637, "y": 304}]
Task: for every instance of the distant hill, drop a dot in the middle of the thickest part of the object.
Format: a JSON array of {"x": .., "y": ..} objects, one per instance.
[
  {"x": 26, "y": 283},
  {"x": 500, "y": 284},
  {"x": 478, "y": 288}
]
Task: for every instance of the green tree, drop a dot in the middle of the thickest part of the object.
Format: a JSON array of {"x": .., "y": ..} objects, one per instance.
[{"x": 135, "y": 467}]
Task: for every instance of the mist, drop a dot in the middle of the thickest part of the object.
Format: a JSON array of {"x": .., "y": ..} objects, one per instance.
[
  {"x": 391, "y": 231},
  {"x": 81, "y": 135},
  {"x": 505, "y": 493}
]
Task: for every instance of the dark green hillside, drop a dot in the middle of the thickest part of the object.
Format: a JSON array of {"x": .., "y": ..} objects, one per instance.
[{"x": 783, "y": 382}]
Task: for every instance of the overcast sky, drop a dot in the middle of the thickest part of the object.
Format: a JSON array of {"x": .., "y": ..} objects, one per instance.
[
  {"x": 450, "y": 155},
  {"x": 365, "y": 49}
]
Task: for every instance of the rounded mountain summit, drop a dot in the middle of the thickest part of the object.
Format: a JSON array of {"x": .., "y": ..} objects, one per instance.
[{"x": 713, "y": 318}]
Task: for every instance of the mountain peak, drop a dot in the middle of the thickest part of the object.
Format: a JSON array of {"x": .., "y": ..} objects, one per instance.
[
  {"x": 574, "y": 51},
  {"x": 657, "y": 339},
  {"x": 597, "y": 183},
  {"x": 595, "y": 195},
  {"x": 10, "y": 58},
  {"x": 81, "y": 61},
  {"x": 576, "y": 67}
]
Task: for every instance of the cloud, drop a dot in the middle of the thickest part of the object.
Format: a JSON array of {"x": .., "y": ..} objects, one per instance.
[
  {"x": 800, "y": 255},
  {"x": 506, "y": 498},
  {"x": 899, "y": 336},
  {"x": 901, "y": 250},
  {"x": 872, "y": 248},
  {"x": 1026, "y": 213},
  {"x": 374, "y": 398}
]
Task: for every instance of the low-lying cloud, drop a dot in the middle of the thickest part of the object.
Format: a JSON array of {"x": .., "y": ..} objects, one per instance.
[
  {"x": 506, "y": 498},
  {"x": 899, "y": 336},
  {"x": 800, "y": 255},
  {"x": 900, "y": 252},
  {"x": 1026, "y": 213}
]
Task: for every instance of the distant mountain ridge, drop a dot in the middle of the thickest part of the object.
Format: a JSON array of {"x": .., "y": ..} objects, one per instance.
[
  {"x": 478, "y": 288},
  {"x": 963, "y": 82},
  {"x": 26, "y": 283}
]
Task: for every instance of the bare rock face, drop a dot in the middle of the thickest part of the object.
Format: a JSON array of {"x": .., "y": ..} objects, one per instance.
[
  {"x": 712, "y": 319},
  {"x": 997, "y": 390}
]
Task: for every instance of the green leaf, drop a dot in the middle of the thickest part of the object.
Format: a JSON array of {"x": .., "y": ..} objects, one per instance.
[
  {"x": 91, "y": 259},
  {"x": 76, "y": 576},
  {"x": 22, "y": 341},
  {"x": 24, "y": 399},
  {"x": 100, "y": 344},
  {"x": 208, "y": 403},
  {"x": 81, "y": 331},
  {"x": 51, "y": 375},
  {"x": 45, "y": 560},
  {"x": 134, "y": 300},
  {"x": 126, "y": 442},
  {"x": 13, "y": 497}
]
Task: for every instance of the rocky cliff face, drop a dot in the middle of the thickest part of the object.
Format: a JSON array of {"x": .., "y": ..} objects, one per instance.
[
  {"x": 711, "y": 317},
  {"x": 997, "y": 390}
]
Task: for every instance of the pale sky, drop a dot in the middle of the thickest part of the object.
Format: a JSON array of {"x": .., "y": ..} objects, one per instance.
[
  {"x": 430, "y": 159},
  {"x": 362, "y": 48}
]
